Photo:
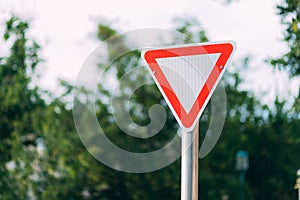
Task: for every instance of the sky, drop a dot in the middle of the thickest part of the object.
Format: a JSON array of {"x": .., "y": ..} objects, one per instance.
[{"x": 64, "y": 29}]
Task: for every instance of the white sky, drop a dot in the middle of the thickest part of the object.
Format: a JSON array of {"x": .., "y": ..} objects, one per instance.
[{"x": 63, "y": 28}]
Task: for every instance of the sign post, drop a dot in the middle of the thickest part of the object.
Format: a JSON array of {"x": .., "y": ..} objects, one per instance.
[
  {"x": 189, "y": 164},
  {"x": 187, "y": 76}
]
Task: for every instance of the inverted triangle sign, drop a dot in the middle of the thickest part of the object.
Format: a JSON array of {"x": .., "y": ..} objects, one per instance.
[{"x": 187, "y": 76}]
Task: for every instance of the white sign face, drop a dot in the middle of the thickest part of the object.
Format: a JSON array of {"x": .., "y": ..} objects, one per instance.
[{"x": 187, "y": 76}]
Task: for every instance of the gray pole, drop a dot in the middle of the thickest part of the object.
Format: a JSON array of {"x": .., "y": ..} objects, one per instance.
[{"x": 189, "y": 164}]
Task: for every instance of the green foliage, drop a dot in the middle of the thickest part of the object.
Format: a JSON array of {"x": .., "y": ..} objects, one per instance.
[
  {"x": 21, "y": 106},
  {"x": 104, "y": 32},
  {"x": 191, "y": 29},
  {"x": 289, "y": 12}
]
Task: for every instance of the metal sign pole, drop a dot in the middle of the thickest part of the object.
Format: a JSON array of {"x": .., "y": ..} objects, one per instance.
[{"x": 189, "y": 164}]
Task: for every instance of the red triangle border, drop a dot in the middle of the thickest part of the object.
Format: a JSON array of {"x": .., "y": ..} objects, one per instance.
[{"x": 186, "y": 120}]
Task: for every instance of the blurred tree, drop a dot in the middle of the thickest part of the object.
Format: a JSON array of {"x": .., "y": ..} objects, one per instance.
[
  {"x": 289, "y": 11},
  {"x": 21, "y": 106}
]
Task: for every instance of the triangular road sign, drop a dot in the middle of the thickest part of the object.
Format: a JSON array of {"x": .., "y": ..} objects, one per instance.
[{"x": 187, "y": 75}]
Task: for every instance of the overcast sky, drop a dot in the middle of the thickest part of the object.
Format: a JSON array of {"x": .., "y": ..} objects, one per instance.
[{"x": 63, "y": 28}]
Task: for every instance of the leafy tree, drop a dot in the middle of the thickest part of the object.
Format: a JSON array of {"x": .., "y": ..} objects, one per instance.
[
  {"x": 21, "y": 106},
  {"x": 289, "y": 11}
]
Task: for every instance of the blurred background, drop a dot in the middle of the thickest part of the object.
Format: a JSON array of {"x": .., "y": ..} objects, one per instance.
[{"x": 43, "y": 44}]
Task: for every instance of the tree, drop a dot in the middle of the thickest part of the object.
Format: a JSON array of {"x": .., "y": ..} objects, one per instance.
[
  {"x": 289, "y": 12},
  {"x": 21, "y": 105}
]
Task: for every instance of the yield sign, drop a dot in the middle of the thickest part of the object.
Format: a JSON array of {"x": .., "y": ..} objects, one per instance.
[{"x": 187, "y": 75}]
